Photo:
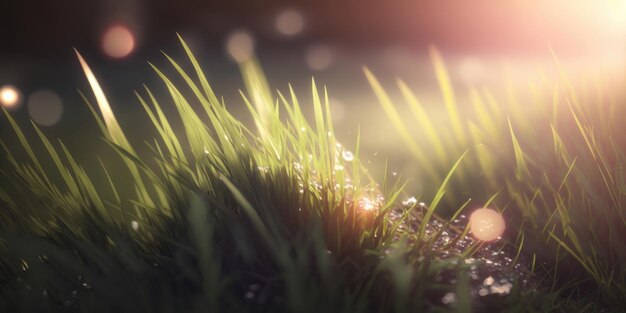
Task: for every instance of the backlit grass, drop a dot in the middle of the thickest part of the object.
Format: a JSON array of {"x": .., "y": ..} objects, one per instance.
[
  {"x": 220, "y": 216},
  {"x": 553, "y": 160}
]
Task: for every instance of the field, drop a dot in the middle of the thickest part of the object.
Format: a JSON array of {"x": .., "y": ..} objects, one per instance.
[{"x": 211, "y": 214}]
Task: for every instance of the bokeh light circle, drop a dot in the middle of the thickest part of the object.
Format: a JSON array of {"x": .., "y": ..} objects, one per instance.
[
  {"x": 289, "y": 22},
  {"x": 240, "y": 45},
  {"x": 118, "y": 41},
  {"x": 487, "y": 224},
  {"x": 319, "y": 57},
  {"x": 45, "y": 107},
  {"x": 10, "y": 97}
]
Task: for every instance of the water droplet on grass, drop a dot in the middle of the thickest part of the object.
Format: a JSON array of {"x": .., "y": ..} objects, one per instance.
[
  {"x": 409, "y": 202},
  {"x": 488, "y": 281},
  {"x": 87, "y": 286},
  {"x": 347, "y": 155},
  {"x": 501, "y": 289},
  {"x": 24, "y": 265}
]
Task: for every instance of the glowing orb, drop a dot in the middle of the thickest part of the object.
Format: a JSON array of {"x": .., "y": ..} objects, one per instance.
[
  {"x": 289, "y": 22},
  {"x": 240, "y": 45},
  {"x": 118, "y": 42},
  {"x": 486, "y": 224},
  {"x": 10, "y": 97},
  {"x": 45, "y": 107}
]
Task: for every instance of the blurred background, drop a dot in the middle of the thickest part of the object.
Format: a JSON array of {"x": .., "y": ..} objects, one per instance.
[{"x": 484, "y": 43}]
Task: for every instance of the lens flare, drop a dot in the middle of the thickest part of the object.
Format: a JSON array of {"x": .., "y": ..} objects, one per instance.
[
  {"x": 10, "y": 97},
  {"x": 487, "y": 224},
  {"x": 616, "y": 11},
  {"x": 118, "y": 42}
]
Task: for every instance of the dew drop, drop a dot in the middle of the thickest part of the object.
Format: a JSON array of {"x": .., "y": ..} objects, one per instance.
[
  {"x": 87, "y": 286},
  {"x": 409, "y": 202},
  {"x": 501, "y": 289},
  {"x": 488, "y": 281},
  {"x": 43, "y": 258},
  {"x": 24, "y": 265},
  {"x": 347, "y": 155}
]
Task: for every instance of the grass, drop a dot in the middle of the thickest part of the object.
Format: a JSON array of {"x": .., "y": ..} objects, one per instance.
[
  {"x": 556, "y": 168},
  {"x": 218, "y": 216}
]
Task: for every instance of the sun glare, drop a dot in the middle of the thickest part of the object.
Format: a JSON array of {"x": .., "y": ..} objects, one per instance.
[{"x": 617, "y": 14}]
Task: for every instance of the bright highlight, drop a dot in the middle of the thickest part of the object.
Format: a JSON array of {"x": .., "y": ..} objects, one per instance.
[
  {"x": 486, "y": 224},
  {"x": 116, "y": 133},
  {"x": 10, "y": 97}
]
